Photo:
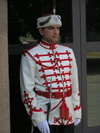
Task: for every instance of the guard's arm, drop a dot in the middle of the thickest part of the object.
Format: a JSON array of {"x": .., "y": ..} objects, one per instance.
[
  {"x": 75, "y": 89},
  {"x": 27, "y": 84}
]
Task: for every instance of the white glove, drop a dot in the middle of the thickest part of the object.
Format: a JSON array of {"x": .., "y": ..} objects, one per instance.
[
  {"x": 77, "y": 121},
  {"x": 43, "y": 127}
]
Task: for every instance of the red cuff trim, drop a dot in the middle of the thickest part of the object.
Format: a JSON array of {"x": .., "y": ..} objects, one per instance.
[
  {"x": 77, "y": 107},
  {"x": 36, "y": 110}
]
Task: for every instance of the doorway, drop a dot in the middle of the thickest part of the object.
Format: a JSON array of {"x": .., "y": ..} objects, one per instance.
[{"x": 81, "y": 32}]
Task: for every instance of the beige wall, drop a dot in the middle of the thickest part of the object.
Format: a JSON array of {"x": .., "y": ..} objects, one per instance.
[{"x": 4, "y": 80}]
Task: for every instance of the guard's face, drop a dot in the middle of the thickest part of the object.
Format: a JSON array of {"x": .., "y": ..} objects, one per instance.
[{"x": 50, "y": 34}]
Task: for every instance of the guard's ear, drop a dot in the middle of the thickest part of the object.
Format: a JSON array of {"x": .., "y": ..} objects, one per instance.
[{"x": 40, "y": 31}]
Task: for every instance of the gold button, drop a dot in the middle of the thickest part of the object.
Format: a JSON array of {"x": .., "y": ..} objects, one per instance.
[
  {"x": 57, "y": 68},
  {"x": 55, "y": 61},
  {"x": 63, "y": 94}
]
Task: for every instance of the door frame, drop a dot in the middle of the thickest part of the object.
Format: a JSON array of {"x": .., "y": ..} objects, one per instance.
[
  {"x": 86, "y": 47},
  {"x": 75, "y": 45}
]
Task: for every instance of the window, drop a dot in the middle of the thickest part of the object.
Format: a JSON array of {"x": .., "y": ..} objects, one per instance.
[
  {"x": 92, "y": 20},
  {"x": 93, "y": 88},
  {"x": 22, "y": 19}
]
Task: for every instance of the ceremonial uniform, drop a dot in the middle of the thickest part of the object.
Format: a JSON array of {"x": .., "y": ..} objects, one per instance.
[
  {"x": 48, "y": 76},
  {"x": 38, "y": 65}
]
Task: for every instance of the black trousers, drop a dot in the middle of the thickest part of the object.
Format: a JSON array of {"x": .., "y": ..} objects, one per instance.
[{"x": 58, "y": 129}]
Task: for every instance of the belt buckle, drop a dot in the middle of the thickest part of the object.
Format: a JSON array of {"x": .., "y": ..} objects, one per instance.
[
  {"x": 53, "y": 95},
  {"x": 57, "y": 95},
  {"x": 63, "y": 94}
]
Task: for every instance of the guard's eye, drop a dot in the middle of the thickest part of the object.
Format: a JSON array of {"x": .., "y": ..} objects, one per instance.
[{"x": 51, "y": 28}]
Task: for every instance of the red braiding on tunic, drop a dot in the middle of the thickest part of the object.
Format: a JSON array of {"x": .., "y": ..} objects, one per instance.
[{"x": 39, "y": 62}]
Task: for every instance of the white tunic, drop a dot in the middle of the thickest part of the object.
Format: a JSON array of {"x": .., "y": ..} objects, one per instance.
[{"x": 38, "y": 65}]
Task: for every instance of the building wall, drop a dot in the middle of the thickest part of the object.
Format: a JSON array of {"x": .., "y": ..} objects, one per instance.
[{"x": 4, "y": 77}]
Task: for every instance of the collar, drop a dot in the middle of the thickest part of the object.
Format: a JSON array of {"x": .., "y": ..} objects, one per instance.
[{"x": 48, "y": 45}]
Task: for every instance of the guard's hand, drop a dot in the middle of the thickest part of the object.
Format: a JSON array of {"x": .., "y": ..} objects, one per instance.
[
  {"x": 43, "y": 127},
  {"x": 77, "y": 121}
]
